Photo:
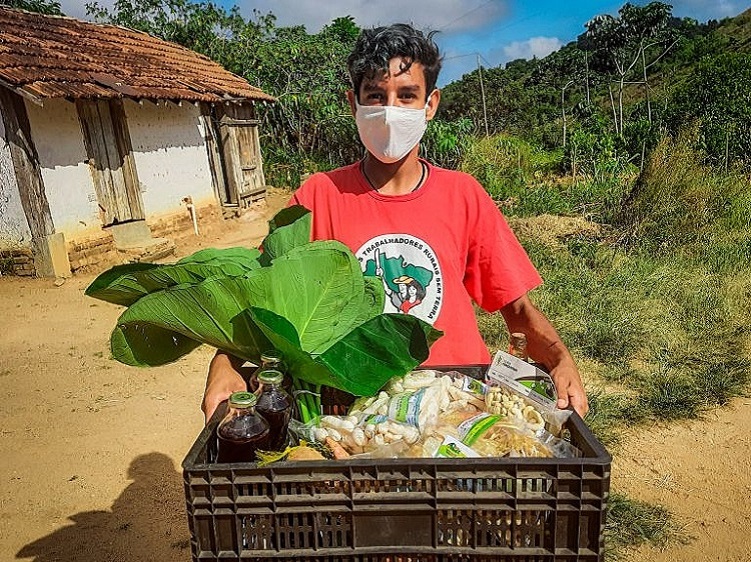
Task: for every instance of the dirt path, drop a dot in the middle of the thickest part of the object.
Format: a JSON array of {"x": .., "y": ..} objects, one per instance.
[
  {"x": 701, "y": 472},
  {"x": 92, "y": 448}
]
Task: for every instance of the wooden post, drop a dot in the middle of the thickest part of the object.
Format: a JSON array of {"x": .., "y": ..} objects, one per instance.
[{"x": 26, "y": 164}]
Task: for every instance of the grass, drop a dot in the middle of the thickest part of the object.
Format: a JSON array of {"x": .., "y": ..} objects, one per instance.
[
  {"x": 632, "y": 523},
  {"x": 648, "y": 282}
]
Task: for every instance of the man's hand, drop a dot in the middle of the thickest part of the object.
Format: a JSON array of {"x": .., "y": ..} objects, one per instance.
[
  {"x": 223, "y": 379},
  {"x": 568, "y": 384},
  {"x": 546, "y": 347}
]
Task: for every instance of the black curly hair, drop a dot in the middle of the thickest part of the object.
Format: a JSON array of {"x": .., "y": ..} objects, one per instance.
[{"x": 377, "y": 46}]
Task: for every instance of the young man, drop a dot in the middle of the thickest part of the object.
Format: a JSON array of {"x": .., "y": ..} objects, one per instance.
[{"x": 406, "y": 219}]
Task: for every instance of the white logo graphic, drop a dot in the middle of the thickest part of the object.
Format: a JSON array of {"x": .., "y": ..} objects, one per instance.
[{"x": 410, "y": 273}]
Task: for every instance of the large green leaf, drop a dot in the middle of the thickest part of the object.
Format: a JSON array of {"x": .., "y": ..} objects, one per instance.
[
  {"x": 361, "y": 361},
  {"x": 125, "y": 284},
  {"x": 318, "y": 288},
  {"x": 310, "y": 300},
  {"x": 283, "y": 336},
  {"x": 153, "y": 331},
  {"x": 290, "y": 228}
]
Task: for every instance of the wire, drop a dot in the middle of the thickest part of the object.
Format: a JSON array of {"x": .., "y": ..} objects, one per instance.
[{"x": 464, "y": 15}]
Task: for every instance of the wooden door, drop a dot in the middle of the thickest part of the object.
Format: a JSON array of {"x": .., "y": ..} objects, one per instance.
[
  {"x": 110, "y": 158},
  {"x": 238, "y": 135}
]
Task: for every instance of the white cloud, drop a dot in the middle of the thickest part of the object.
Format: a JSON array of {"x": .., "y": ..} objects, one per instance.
[
  {"x": 702, "y": 10},
  {"x": 444, "y": 15},
  {"x": 533, "y": 47}
]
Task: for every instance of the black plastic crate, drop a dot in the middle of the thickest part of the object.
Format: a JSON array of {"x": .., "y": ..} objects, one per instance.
[{"x": 400, "y": 510}]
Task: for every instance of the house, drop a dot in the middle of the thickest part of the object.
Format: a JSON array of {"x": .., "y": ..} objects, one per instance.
[{"x": 111, "y": 139}]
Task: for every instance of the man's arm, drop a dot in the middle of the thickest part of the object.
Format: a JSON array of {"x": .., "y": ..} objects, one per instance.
[
  {"x": 546, "y": 347},
  {"x": 223, "y": 379}
]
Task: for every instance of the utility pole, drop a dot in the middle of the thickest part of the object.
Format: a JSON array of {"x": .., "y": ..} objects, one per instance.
[{"x": 482, "y": 93}]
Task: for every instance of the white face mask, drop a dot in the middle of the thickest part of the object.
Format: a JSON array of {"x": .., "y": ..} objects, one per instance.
[{"x": 390, "y": 132}]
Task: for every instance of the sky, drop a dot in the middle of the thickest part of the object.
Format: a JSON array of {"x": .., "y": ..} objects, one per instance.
[{"x": 470, "y": 32}]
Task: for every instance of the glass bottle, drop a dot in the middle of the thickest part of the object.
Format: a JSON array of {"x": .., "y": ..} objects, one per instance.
[
  {"x": 271, "y": 359},
  {"x": 242, "y": 431},
  {"x": 274, "y": 404},
  {"x": 518, "y": 346}
]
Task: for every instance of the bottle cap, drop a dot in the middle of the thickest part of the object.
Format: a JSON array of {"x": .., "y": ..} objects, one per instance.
[
  {"x": 242, "y": 399},
  {"x": 270, "y": 376},
  {"x": 271, "y": 355}
]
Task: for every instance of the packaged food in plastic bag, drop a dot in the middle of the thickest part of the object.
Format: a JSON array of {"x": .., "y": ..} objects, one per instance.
[
  {"x": 509, "y": 373},
  {"x": 419, "y": 408},
  {"x": 358, "y": 434},
  {"x": 491, "y": 435}
]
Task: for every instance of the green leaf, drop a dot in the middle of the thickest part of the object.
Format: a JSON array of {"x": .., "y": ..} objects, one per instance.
[
  {"x": 363, "y": 360},
  {"x": 311, "y": 302},
  {"x": 283, "y": 336},
  {"x": 318, "y": 287},
  {"x": 165, "y": 345},
  {"x": 152, "y": 331},
  {"x": 289, "y": 229},
  {"x": 386, "y": 346},
  {"x": 125, "y": 284}
]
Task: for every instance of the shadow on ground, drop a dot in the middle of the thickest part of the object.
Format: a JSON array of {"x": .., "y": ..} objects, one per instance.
[{"x": 146, "y": 522}]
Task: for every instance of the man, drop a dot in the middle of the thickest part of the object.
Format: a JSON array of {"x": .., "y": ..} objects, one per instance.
[{"x": 404, "y": 218}]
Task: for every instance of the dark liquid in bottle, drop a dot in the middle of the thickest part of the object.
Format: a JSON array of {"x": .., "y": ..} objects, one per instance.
[
  {"x": 239, "y": 444},
  {"x": 276, "y": 408}
]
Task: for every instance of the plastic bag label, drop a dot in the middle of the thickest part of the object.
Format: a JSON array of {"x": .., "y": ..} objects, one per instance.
[
  {"x": 475, "y": 387},
  {"x": 454, "y": 449},
  {"x": 523, "y": 378},
  {"x": 375, "y": 419},
  {"x": 405, "y": 407},
  {"x": 470, "y": 430}
]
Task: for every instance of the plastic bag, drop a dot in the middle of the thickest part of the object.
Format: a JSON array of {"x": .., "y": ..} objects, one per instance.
[
  {"x": 358, "y": 434},
  {"x": 493, "y": 436}
]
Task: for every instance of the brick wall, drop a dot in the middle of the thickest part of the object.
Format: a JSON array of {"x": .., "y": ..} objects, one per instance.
[
  {"x": 95, "y": 252},
  {"x": 19, "y": 261}
]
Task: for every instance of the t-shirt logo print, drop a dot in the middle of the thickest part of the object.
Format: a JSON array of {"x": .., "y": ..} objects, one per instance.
[{"x": 410, "y": 273}]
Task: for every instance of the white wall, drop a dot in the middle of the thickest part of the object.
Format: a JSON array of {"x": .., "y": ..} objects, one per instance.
[
  {"x": 170, "y": 154},
  {"x": 14, "y": 229},
  {"x": 56, "y": 132}
]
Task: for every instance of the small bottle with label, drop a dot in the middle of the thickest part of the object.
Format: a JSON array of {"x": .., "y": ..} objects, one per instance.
[
  {"x": 274, "y": 404},
  {"x": 243, "y": 430}
]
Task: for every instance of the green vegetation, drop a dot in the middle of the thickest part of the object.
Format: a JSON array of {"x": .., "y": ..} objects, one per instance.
[
  {"x": 632, "y": 523},
  {"x": 309, "y": 300}
]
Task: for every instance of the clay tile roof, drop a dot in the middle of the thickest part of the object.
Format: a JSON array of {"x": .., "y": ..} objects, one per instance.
[{"x": 52, "y": 56}]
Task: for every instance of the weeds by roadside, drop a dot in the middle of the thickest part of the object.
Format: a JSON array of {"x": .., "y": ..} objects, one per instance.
[{"x": 650, "y": 289}]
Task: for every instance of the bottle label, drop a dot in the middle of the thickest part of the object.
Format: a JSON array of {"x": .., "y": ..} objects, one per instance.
[
  {"x": 472, "y": 429},
  {"x": 405, "y": 407}
]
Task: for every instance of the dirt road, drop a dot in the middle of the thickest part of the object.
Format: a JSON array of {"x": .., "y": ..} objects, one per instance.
[{"x": 90, "y": 470}]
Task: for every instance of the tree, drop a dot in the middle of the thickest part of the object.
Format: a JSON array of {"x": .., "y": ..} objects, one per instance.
[
  {"x": 618, "y": 45},
  {"x": 49, "y": 7},
  {"x": 716, "y": 97}
]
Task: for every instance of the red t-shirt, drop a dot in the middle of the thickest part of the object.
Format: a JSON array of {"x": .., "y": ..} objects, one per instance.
[{"x": 444, "y": 245}]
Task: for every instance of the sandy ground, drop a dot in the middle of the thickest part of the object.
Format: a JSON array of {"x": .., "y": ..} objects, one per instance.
[{"x": 92, "y": 448}]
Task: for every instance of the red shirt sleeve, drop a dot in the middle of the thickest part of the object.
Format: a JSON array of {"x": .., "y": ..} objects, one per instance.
[{"x": 498, "y": 269}]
